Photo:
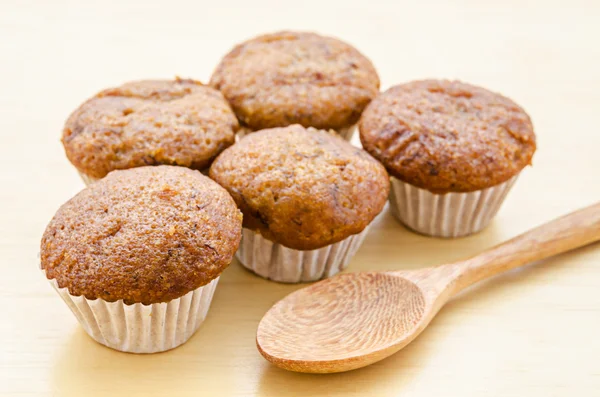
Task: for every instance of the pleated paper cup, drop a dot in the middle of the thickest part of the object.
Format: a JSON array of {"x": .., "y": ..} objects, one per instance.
[
  {"x": 276, "y": 262},
  {"x": 88, "y": 180},
  {"x": 446, "y": 215},
  {"x": 346, "y": 133},
  {"x": 242, "y": 132},
  {"x": 141, "y": 328}
]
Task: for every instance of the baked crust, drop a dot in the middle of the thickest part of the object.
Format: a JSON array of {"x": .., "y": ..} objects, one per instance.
[
  {"x": 285, "y": 78},
  {"x": 303, "y": 188},
  {"x": 149, "y": 122},
  {"x": 447, "y": 136},
  {"x": 148, "y": 235}
]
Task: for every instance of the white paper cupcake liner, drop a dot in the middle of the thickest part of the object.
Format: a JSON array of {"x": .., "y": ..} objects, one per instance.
[
  {"x": 88, "y": 180},
  {"x": 141, "y": 328},
  {"x": 346, "y": 133},
  {"x": 276, "y": 262},
  {"x": 446, "y": 215},
  {"x": 242, "y": 132}
]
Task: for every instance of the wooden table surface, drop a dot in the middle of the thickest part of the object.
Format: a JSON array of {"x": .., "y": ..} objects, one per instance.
[{"x": 532, "y": 332}]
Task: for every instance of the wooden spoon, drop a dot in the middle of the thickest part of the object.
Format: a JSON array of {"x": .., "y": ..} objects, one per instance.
[{"x": 355, "y": 319}]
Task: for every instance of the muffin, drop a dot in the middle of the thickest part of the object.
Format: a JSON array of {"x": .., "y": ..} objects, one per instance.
[
  {"x": 307, "y": 197},
  {"x": 453, "y": 151},
  {"x": 137, "y": 255},
  {"x": 286, "y": 78},
  {"x": 150, "y": 122}
]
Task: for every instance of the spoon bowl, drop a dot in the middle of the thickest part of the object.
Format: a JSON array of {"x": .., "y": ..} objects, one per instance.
[
  {"x": 359, "y": 318},
  {"x": 355, "y": 319}
]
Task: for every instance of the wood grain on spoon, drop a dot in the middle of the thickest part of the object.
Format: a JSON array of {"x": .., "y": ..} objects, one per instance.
[{"x": 355, "y": 319}]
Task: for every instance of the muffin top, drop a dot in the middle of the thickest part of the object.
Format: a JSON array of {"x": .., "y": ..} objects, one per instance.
[
  {"x": 284, "y": 78},
  {"x": 303, "y": 188},
  {"x": 148, "y": 235},
  {"x": 447, "y": 136},
  {"x": 150, "y": 122}
]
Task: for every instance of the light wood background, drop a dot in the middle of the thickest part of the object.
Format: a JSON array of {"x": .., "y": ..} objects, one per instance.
[{"x": 532, "y": 332}]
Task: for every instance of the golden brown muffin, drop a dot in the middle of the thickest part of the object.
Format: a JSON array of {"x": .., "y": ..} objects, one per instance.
[
  {"x": 150, "y": 122},
  {"x": 303, "y": 188},
  {"x": 148, "y": 234},
  {"x": 447, "y": 136},
  {"x": 285, "y": 78}
]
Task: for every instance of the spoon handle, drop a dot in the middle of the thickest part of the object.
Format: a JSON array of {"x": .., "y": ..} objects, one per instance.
[{"x": 571, "y": 231}]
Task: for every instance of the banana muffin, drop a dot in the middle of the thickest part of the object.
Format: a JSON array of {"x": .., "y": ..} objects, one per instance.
[
  {"x": 138, "y": 254},
  {"x": 286, "y": 78},
  {"x": 307, "y": 197},
  {"x": 149, "y": 122},
  {"x": 453, "y": 150}
]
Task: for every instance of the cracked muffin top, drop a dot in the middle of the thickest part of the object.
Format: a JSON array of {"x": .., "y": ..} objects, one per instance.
[
  {"x": 149, "y": 122},
  {"x": 447, "y": 136},
  {"x": 285, "y": 78},
  {"x": 303, "y": 188},
  {"x": 144, "y": 235}
]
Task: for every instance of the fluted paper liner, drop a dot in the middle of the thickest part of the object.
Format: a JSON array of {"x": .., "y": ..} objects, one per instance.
[
  {"x": 88, "y": 180},
  {"x": 141, "y": 328},
  {"x": 279, "y": 263},
  {"x": 446, "y": 215},
  {"x": 345, "y": 133}
]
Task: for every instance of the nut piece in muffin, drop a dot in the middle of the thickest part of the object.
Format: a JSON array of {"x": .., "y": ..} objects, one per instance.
[
  {"x": 285, "y": 78},
  {"x": 149, "y": 122},
  {"x": 304, "y": 191},
  {"x": 138, "y": 238},
  {"x": 443, "y": 138}
]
